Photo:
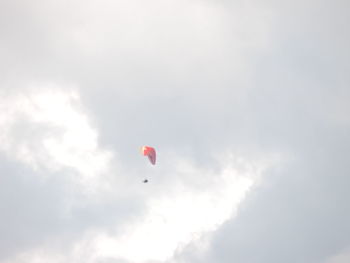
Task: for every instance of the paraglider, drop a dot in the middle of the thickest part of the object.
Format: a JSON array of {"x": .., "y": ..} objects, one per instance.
[{"x": 150, "y": 152}]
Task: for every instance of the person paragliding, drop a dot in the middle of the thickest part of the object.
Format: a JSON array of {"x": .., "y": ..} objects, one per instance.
[{"x": 150, "y": 152}]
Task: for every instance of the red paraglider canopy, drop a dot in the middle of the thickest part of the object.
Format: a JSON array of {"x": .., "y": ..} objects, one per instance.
[{"x": 150, "y": 152}]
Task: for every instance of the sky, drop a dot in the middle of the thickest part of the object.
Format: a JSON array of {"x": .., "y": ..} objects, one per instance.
[{"x": 247, "y": 103}]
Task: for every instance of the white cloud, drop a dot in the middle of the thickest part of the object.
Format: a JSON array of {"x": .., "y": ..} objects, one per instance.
[
  {"x": 174, "y": 217},
  {"x": 182, "y": 214},
  {"x": 62, "y": 137},
  {"x": 46, "y": 128},
  {"x": 197, "y": 80}
]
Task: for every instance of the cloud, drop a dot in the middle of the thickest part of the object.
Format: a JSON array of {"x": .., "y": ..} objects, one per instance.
[
  {"x": 245, "y": 102},
  {"x": 298, "y": 214},
  {"x": 52, "y": 172},
  {"x": 92, "y": 209}
]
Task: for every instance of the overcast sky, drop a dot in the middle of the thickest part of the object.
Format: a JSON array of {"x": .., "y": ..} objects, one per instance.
[{"x": 246, "y": 102}]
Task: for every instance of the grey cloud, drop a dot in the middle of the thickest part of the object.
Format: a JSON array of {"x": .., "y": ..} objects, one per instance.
[
  {"x": 195, "y": 90},
  {"x": 299, "y": 213},
  {"x": 30, "y": 208},
  {"x": 300, "y": 217},
  {"x": 40, "y": 206}
]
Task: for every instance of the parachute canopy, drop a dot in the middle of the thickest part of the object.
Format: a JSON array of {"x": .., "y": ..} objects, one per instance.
[{"x": 150, "y": 152}]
